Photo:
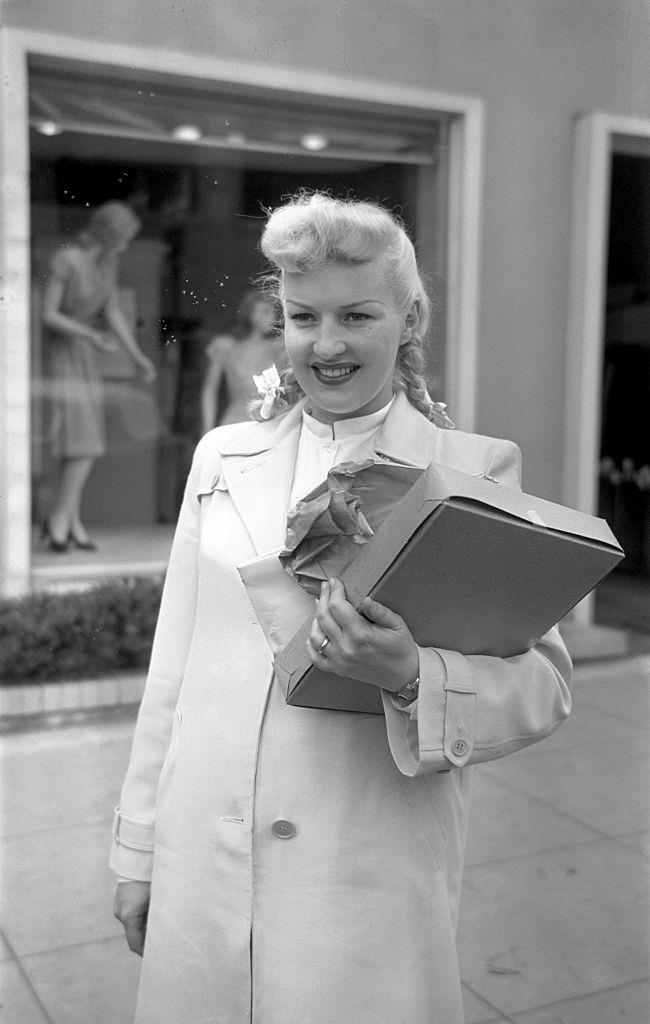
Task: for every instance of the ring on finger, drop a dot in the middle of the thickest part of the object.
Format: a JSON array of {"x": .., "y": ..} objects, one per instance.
[{"x": 321, "y": 649}]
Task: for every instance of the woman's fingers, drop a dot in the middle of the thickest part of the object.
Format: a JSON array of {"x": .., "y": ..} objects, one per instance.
[
  {"x": 380, "y": 614},
  {"x": 131, "y": 908}
]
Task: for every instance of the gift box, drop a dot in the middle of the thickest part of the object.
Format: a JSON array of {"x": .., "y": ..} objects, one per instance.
[{"x": 472, "y": 566}]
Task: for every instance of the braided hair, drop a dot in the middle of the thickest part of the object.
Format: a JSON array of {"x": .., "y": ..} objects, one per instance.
[{"x": 314, "y": 228}]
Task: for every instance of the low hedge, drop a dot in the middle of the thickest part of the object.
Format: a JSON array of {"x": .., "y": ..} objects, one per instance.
[{"x": 79, "y": 634}]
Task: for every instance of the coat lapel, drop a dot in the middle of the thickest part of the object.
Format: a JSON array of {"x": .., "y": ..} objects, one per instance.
[
  {"x": 257, "y": 468},
  {"x": 258, "y": 465},
  {"x": 406, "y": 435}
]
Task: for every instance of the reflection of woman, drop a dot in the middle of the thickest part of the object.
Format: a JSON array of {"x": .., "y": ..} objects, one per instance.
[
  {"x": 80, "y": 304},
  {"x": 233, "y": 359},
  {"x": 289, "y": 864}
]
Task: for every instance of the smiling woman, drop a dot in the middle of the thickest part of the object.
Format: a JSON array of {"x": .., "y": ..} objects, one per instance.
[{"x": 274, "y": 859}]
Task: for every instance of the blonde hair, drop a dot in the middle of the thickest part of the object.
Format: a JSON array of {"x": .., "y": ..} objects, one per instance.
[{"x": 314, "y": 228}]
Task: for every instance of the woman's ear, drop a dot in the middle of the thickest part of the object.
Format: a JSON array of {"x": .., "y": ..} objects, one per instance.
[{"x": 411, "y": 321}]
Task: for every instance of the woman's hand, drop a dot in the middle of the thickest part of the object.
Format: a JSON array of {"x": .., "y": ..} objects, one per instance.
[
  {"x": 375, "y": 646},
  {"x": 146, "y": 368},
  {"x": 104, "y": 342},
  {"x": 131, "y": 907}
]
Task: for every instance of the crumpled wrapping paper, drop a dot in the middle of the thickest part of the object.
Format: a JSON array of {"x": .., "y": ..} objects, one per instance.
[{"x": 326, "y": 527}]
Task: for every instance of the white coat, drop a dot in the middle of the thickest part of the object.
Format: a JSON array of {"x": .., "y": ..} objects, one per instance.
[{"x": 346, "y": 913}]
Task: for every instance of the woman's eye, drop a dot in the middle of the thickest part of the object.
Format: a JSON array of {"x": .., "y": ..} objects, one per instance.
[
  {"x": 302, "y": 318},
  {"x": 358, "y": 318}
]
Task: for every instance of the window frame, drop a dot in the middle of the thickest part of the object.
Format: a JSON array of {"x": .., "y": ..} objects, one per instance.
[
  {"x": 597, "y": 136},
  {"x": 466, "y": 133}
]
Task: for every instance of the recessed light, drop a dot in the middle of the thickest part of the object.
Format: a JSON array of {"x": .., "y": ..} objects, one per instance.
[
  {"x": 187, "y": 133},
  {"x": 49, "y": 128},
  {"x": 314, "y": 141}
]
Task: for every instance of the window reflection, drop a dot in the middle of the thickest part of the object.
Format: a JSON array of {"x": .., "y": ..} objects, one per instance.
[{"x": 183, "y": 285}]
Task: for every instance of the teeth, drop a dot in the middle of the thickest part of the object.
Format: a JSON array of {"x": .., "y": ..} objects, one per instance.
[{"x": 338, "y": 371}]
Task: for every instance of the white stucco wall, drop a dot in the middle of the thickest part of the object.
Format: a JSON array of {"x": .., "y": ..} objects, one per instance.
[{"x": 537, "y": 64}]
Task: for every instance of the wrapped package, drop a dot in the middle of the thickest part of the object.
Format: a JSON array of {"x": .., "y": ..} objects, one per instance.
[{"x": 471, "y": 565}]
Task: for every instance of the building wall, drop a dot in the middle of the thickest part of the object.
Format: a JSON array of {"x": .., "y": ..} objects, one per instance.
[{"x": 537, "y": 64}]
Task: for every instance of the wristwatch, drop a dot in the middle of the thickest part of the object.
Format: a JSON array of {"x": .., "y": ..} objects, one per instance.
[{"x": 410, "y": 691}]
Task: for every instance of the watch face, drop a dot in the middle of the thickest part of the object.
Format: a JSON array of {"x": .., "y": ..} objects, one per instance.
[{"x": 410, "y": 691}]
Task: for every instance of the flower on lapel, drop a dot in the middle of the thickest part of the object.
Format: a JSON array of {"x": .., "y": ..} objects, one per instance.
[{"x": 269, "y": 387}]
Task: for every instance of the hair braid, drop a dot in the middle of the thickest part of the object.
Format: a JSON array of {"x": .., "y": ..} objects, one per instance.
[{"x": 409, "y": 377}]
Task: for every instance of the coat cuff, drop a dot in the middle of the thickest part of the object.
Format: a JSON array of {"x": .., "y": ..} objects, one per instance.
[
  {"x": 416, "y": 731},
  {"x": 132, "y": 849}
]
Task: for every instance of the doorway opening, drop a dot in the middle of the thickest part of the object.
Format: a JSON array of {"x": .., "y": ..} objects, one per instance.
[{"x": 623, "y": 600}]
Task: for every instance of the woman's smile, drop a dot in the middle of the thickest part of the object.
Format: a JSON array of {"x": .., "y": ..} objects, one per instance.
[{"x": 334, "y": 376}]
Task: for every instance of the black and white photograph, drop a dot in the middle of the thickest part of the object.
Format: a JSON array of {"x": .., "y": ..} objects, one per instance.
[{"x": 324, "y": 512}]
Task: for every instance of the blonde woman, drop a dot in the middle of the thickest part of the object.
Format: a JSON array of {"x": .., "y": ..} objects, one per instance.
[{"x": 285, "y": 865}]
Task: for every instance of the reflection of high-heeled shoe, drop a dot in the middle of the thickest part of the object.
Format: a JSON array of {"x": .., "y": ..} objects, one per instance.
[
  {"x": 83, "y": 545},
  {"x": 53, "y": 544}
]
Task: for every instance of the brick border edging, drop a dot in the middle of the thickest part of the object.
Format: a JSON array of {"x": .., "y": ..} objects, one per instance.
[{"x": 37, "y": 698}]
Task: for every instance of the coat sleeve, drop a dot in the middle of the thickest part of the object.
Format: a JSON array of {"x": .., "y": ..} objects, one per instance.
[
  {"x": 476, "y": 708},
  {"x": 133, "y": 826}
]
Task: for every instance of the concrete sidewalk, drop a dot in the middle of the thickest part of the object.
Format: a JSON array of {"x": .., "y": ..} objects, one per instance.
[{"x": 554, "y": 922}]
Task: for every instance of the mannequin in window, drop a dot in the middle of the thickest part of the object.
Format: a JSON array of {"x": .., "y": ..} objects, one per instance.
[
  {"x": 233, "y": 359},
  {"x": 82, "y": 314}
]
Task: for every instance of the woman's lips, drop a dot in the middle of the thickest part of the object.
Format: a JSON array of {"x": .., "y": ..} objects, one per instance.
[{"x": 333, "y": 376}]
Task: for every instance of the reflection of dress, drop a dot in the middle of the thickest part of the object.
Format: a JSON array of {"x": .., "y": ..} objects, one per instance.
[
  {"x": 77, "y": 427},
  {"x": 240, "y": 360}
]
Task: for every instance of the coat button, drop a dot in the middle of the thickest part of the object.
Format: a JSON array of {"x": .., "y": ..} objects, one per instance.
[
  {"x": 459, "y": 748},
  {"x": 283, "y": 829}
]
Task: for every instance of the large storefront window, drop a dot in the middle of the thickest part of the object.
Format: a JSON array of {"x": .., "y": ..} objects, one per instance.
[{"x": 198, "y": 167}]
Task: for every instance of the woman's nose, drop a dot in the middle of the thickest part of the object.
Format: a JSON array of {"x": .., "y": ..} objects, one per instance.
[{"x": 328, "y": 343}]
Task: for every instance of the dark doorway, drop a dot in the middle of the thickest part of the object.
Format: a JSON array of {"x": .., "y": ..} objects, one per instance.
[{"x": 624, "y": 500}]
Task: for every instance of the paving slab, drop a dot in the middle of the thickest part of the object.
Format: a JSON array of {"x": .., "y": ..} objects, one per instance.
[
  {"x": 92, "y": 983},
  {"x": 477, "y": 1011},
  {"x": 504, "y": 821},
  {"x": 625, "y": 1004},
  {"x": 554, "y": 925},
  {"x": 56, "y": 778},
  {"x": 57, "y": 888},
  {"x": 604, "y": 786},
  {"x": 18, "y": 1003}
]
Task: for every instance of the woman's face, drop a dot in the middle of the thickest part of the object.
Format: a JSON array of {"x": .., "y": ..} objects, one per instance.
[
  {"x": 342, "y": 333},
  {"x": 262, "y": 316}
]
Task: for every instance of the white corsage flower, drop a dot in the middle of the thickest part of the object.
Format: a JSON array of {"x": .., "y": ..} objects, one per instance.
[{"x": 269, "y": 388}]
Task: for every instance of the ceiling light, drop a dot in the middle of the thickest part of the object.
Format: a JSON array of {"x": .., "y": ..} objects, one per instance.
[
  {"x": 49, "y": 128},
  {"x": 314, "y": 142},
  {"x": 187, "y": 133}
]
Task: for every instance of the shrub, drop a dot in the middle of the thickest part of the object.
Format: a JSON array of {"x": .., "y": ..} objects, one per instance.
[{"x": 78, "y": 634}]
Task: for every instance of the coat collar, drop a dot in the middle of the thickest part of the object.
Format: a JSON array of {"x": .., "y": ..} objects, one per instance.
[{"x": 258, "y": 464}]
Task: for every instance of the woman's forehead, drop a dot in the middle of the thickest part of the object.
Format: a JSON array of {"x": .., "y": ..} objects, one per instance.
[{"x": 342, "y": 283}]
